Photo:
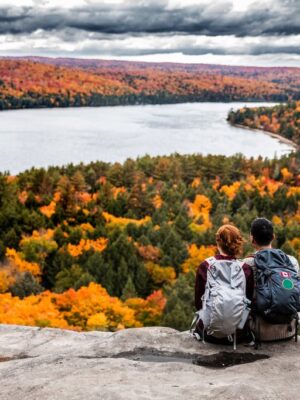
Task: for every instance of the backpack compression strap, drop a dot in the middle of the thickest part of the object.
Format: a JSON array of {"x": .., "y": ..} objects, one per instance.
[{"x": 195, "y": 321}]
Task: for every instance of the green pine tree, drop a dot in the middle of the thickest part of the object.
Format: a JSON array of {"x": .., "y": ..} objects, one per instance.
[
  {"x": 178, "y": 312},
  {"x": 129, "y": 290}
]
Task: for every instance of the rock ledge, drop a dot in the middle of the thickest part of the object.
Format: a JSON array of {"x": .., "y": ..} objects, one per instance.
[{"x": 138, "y": 364}]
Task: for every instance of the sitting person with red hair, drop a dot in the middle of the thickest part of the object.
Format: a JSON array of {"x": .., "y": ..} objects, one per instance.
[{"x": 223, "y": 291}]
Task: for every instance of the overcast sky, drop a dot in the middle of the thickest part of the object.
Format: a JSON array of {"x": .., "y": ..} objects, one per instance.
[{"x": 241, "y": 32}]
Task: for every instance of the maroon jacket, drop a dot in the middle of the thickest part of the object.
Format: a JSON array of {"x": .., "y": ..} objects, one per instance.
[{"x": 201, "y": 277}]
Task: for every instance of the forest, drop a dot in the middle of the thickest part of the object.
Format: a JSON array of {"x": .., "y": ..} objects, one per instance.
[
  {"x": 282, "y": 119},
  {"x": 110, "y": 246},
  {"x": 37, "y": 82}
]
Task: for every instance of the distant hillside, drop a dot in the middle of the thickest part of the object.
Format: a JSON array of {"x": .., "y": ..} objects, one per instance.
[
  {"x": 44, "y": 82},
  {"x": 283, "y": 119}
]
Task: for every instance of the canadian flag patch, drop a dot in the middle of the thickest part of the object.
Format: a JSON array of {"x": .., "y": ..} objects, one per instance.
[{"x": 285, "y": 274}]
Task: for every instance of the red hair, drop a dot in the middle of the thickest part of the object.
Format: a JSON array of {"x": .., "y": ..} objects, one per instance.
[{"x": 230, "y": 240}]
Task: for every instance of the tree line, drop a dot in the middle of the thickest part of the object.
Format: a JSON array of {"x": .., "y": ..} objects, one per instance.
[
  {"x": 282, "y": 119},
  {"x": 37, "y": 84}
]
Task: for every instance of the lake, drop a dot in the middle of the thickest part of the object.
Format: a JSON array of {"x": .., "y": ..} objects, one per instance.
[{"x": 44, "y": 137}]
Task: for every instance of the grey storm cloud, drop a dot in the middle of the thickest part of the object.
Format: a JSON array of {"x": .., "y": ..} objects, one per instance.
[
  {"x": 194, "y": 50},
  {"x": 157, "y": 17}
]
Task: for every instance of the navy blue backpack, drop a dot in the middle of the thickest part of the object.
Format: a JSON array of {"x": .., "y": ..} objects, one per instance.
[{"x": 277, "y": 287}]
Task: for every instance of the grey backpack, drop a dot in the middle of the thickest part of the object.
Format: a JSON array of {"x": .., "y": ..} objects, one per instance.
[{"x": 225, "y": 307}]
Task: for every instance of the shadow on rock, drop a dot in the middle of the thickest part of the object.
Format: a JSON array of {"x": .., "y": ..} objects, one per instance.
[
  {"x": 226, "y": 359},
  {"x": 218, "y": 360}
]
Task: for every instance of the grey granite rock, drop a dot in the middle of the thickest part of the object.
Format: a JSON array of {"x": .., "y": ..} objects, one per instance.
[{"x": 137, "y": 364}]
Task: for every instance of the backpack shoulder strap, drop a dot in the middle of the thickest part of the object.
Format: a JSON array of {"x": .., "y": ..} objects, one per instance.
[
  {"x": 294, "y": 263},
  {"x": 211, "y": 261}
]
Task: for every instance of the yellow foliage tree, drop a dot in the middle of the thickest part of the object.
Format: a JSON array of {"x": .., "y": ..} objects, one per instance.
[
  {"x": 157, "y": 201},
  {"x": 160, "y": 275},
  {"x": 123, "y": 222},
  {"x": 18, "y": 264},
  {"x": 295, "y": 243},
  {"x": 276, "y": 220},
  {"x": 148, "y": 311},
  {"x": 196, "y": 256},
  {"x": 231, "y": 190},
  {"x": 199, "y": 210},
  {"x": 97, "y": 322},
  {"x": 88, "y": 308},
  {"x": 6, "y": 279},
  {"x": 49, "y": 210},
  {"x": 85, "y": 245},
  {"x": 286, "y": 174}
]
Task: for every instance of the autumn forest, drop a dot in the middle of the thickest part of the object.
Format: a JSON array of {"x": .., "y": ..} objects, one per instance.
[
  {"x": 36, "y": 82},
  {"x": 282, "y": 119},
  {"x": 110, "y": 246}
]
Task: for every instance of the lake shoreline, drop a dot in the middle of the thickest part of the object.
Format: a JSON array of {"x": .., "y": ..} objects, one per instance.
[
  {"x": 281, "y": 138},
  {"x": 41, "y": 107}
]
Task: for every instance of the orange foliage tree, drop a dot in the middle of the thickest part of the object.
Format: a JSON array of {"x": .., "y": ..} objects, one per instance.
[{"x": 86, "y": 309}]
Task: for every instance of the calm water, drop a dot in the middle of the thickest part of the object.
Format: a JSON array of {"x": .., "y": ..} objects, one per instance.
[{"x": 60, "y": 136}]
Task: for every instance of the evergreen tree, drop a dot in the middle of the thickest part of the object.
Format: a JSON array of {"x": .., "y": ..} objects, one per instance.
[
  {"x": 78, "y": 182},
  {"x": 25, "y": 285},
  {"x": 121, "y": 276},
  {"x": 182, "y": 223},
  {"x": 174, "y": 249},
  {"x": 53, "y": 264},
  {"x": 142, "y": 280},
  {"x": 74, "y": 278},
  {"x": 102, "y": 271},
  {"x": 129, "y": 290},
  {"x": 2, "y": 250},
  {"x": 178, "y": 312},
  {"x": 121, "y": 257}
]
